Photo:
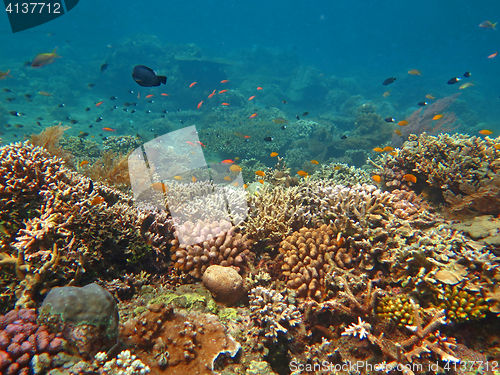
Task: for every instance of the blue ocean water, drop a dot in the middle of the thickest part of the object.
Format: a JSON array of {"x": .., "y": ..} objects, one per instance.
[{"x": 364, "y": 40}]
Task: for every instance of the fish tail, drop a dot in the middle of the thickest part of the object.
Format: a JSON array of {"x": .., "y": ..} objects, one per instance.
[
  {"x": 163, "y": 79},
  {"x": 54, "y": 53}
]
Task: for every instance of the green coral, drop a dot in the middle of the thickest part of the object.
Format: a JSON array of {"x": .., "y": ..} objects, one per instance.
[
  {"x": 396, "y": 308},
  {"x": 462, "y": 305}
]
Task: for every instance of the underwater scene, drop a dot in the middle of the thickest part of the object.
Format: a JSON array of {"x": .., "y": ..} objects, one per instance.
[{"x": 209, "y": 187}]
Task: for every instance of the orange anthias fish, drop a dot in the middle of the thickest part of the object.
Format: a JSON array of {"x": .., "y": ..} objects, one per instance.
[
  {"x": 226, "y": 104},
  {"x": 410, "y": 177},
  {"x": 199, "y": 104},
  {"x": 488, "y": 25},
  {"x": 224, "y": 81},
  {"x": 415, "y": 72},
  {"x": 222, "y": 91},
  {"x": 192, "y": 84},
  {"x": 273, "y": 154},
  {"x": 377, "y": 178},
  {"x": 315, "y": 162},
  {"x": 235, "y": 168},
  {"x": 302, "y": 173},
  {"x": 4, "y": 75},
  {"x": 84, "y": 162},
  {"x": 378, "y": 149},
  {"x": 43, "y": 59},
  {"x": 212, "y": 94},
  {"x": 149, "y": 96},
  {"x": 260, "y": 173},
  {"x": 485, "y": 132},
  {"x": 398, "y": 132},
  {"x": 227, "y": 161},
  {"x": 252, "y": 97},
  {"x": 403, "y": 123},
  {"x": 163, "y": 94},
  {"x": 493, "y": 55},
  {"x": 98, "y": 103},
  {"x": 109, "y": 129},
  {"x": 253, "y": 115},
  {"x": 259, "y": 88},
  {"x": 437, "y": 117}
]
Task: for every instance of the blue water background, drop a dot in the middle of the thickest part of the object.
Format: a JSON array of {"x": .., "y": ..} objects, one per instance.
[{"x": 366, "y": 40}]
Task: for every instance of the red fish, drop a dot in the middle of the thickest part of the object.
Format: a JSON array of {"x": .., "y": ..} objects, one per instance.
[
  {"x": 259, "y": 88},
  {"x": 201, "y": 144},
  {"x": 247, "y": 136},
  {"x": 43, "y": 59},
  {"x": 493, "y": 55},
  {"x": 192, "y": 84},
  {"x": 253, "y": 115},
  {"x": 99, "y": 103},
  {"x": 212, "y": 94},
  {"x": 222, "y": 91},
  {"x": 226, "y": 104},
  {"x": 252, "y": 97},
  {"x": 227, "y": 161},
  {"x": 109, "y": 130},
  {"x": 163, "y": 94},
  {"x": 199, "y": 104},
  {"x": 190, "y": 143},
  {"x": 149, "y": 96},
  {"x": 224, "y": 81}
]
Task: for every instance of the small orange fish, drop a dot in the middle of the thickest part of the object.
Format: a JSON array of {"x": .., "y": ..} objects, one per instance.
[
  {"x": 227, "y": 161},
  {"x": 302, "y": 173},
  {"x": 493, "y": 55},
  {"x": 388, "y": 149},
  {"x": 190, "y": 143},
  {"x": 224, "y": 81},
  {"x": 252, "y": 97},
  {"x": 429, "y": 96},
  {"x": 259, "y": 88},
  {"x": 485, "y": 132},
  {"x": 108, "y": 129},
  {"x": 398, "y": 132},
  {"x": 245, "y": 186},
  {"x": 163, "y": 94},
  {"x": 410, "y": 177},
  {"x": 378, "y": 149},
  {"x": 192, "y": 84},
  {"x": 315, "y": 162},
  {"x": 235, "y": 168},
  {"x": 403, "y": 123},
  {"x": 260, "y": 173},
  {"x": 178, "y": 178},
  {"x": 84, "y": 162},
  {"x": 44, "y": 93},
  {"x": 99, "y": 103},
  {"x": 225, "y": 104},
  {"x": 43, "y": 59},
  {"x": 415, "y": 72},
  {"x": 199, "y": 104},
  {"x": 437, "y": 117},
  {"x": 4, "y": 75},
  {"x": 377, "y": 178},
  {"x": 97, "y": 200},
  {"x": 246, "y": 136},
  {"x": 227, "y": 178},
  {"x": 212, "y": 94},
  {"x": 253, "y": 115},
  {"x": 201, "y": 144},
  {"x": 235, "y": 184},
  {"x": 149, "y": 96},
  {"x": 222, "y": 91},
  {"x": 393, "y": 153},
  {"x": 274, "y": 154},
  {"x": 159, "y": 186},
  {"x": 193, "y": 179},
  {"x": 261, "y": 181}
]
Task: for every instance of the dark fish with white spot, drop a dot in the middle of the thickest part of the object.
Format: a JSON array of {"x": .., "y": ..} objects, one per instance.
[
  {"x": 146, "y": 77},
  {"x": 388, "y": 81}
]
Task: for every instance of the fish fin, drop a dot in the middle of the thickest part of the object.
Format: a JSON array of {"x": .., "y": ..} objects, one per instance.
[{"x": 163, "y": 79}]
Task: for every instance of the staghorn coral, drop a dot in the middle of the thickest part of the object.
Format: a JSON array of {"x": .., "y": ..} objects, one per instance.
[
  {"x": 273, "y": 312},
  {"x": 213, "y": 243}
]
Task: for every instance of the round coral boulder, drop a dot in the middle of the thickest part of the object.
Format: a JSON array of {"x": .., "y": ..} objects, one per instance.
[{"x": 225, "y": 284}]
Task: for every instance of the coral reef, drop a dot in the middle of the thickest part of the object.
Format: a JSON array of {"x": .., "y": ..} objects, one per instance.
[
  {"x": 461, "y": 305},
  {"x": 180, "y": 342},
  {"x": 225, "y": 284},
  {"x": 273, "y": 312},
  {"x": 22, "y": 338}
]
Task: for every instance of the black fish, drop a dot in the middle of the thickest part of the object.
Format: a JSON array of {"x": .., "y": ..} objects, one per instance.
[
  {"x": 283, "y": 127},
  {"x": 99, "y": 119},
  {"x": 14, "y": 113},
  {"x": 113, "y": 98},
  {"x": 28, "y": 96},
  {"x": 6, "y": 90},
  {"x": 87, "y": 109},
  {"x": 268, "y": 139},
  {"x": 90, "y": 85},
  {"x": 422, "y": 104},
  {"x": 305, "y": 114},
  {"x": 104, "y": 67},
  {"x": 8, "y": 100},
  {"x": 83, "y": 135},
  {"x": 454, "y": 80},
  {"x": 146, "y": 77},
  {"x": 343, "y": 136},
  {"x": 467, "y": 74},
  {"x": 72, "y": 121},
  {"x": 388, "y": 81},
  {"x": 390, "y": 119},
  {"x": 62, "y": 105},
  {"x": 297, "y": 117},
  {"x": 146, "y": 224}
]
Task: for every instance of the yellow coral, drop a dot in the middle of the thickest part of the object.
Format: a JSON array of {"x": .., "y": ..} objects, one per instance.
[
  {"x": 398, "y": 309},
  {"x": 462, "y": 305}
]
